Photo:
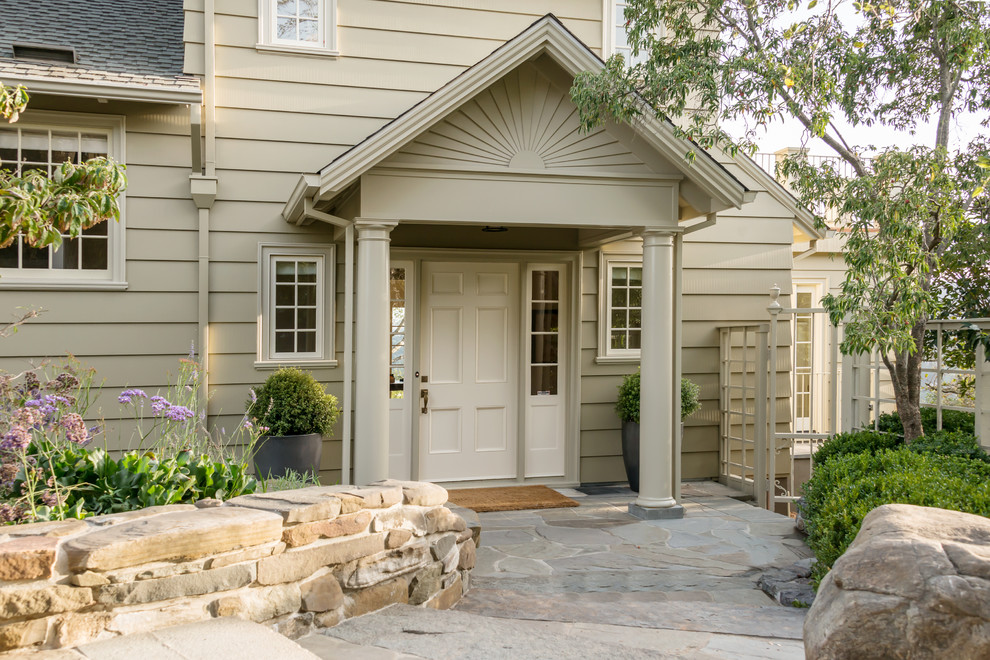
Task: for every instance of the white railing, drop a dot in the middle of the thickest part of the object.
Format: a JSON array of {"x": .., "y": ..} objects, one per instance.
[{"x": 867, "y": 400}]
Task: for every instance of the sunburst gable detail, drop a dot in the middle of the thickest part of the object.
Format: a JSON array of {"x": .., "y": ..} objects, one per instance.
[{"x": 522, "y": 122}]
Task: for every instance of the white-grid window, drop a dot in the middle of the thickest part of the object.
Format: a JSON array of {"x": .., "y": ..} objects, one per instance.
[
  {"x": 296, "y": 304},
  {"x": 616, "y": 35},
  {"x": 621, "y": 316},
  {"x": 298, "y": 25},
  {"x": 43, "y": 142}
]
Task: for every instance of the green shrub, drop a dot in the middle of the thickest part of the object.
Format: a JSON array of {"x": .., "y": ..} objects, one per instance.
[
  {"x": 292, "y": 402},
  {"x": 950, "y": 443},
  {"x": 627, "y": 405},
  {"x": 847, "y": 487},
  {"x": 85, "y": 481},
  {"x": 856, "y": 442},
  {"x": 952, "y": 420}
]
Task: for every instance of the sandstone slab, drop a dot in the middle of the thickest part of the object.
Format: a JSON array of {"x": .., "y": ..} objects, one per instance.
[
  {"x": 909, "y": 585},
  {"x": 378, "y": 568},
  {"x": 303, "y": 562},
  {"x": 174, "y": 535},
  {"x": 376, "y": 597},
  {"x": 56, "y": 528},
  {"x": 425, "y": 584},
  {"x": 468, "y": 556},
  {"x": 443, "y": 519},
  {"x": 259, "y": 604},
  {"x": 27, "y": 558},
  {"x": 369, "y": 497},
  {"x": 179, "y": 586},
  {"x": 23, "y": 633},
  {"x": 397, "y": 538},
  {"x": 41, "y": 599},
  {"x": 418, "y": 493},
  {"x": 295, "y": 506},
  {"x": 345, "y": 525},
  {"x": 321, "y": 594},
  {"x": 129, "y": 516},
  {"x": 448, "y": 597}
]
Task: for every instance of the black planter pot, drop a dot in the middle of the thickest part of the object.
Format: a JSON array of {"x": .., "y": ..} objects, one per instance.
[
  {"x": 630, "y": 453},
  {"x": 275, "y": 455}
]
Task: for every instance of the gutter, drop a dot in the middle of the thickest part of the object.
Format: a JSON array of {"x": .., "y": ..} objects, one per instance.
[
  {"x": 107, "y": 91},
  {"x": 203, "y": 190}
]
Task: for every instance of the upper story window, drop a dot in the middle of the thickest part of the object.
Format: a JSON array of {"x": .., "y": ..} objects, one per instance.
[
  {"x": 42, "y": 141},
  {"x": 616, "y": 36},
  {"x": 305, "y": 26},
  {"x": 621, "y": 315}
]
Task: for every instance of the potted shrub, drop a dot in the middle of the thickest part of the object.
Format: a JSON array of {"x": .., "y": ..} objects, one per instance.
[
  {"x": 628, "y": 409},
  {"x": 293, "y": 413}
]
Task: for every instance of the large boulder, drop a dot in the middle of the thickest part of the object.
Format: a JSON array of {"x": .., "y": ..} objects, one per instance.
[{"x": 915, "y": 583}]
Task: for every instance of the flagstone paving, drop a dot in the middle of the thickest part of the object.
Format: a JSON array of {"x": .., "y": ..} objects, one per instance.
[{"x": 594, "y": 581}]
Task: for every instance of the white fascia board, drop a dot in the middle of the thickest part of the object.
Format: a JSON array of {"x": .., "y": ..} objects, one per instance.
[
  {"x": 295, "y": 206},
  {"x": 106, "y": 91},
  {"x": 546, "y": 35}
]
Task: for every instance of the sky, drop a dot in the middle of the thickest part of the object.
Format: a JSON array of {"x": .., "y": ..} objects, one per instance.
[{"x": 789, "y": 134}]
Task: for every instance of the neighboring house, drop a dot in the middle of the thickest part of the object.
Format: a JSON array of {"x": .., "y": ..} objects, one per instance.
[{"x": 398, "y": 196}]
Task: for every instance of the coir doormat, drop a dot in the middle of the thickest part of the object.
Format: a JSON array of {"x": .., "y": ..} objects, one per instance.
[{"x": 509, "y": 498}]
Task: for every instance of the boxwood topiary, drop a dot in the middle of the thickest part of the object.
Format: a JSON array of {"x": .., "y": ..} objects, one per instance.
[
  {"x": 292, "y": 402},
  {"x": 846, "y": 487},
  {"x": 627, "y": 405}
]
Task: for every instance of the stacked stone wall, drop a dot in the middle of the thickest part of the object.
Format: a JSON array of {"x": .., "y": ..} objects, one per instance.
[{"x": 296, "y": 560}]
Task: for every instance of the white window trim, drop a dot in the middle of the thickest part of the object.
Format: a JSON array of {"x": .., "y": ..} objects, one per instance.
[
  {"x": 609, "y": 26},
  {"x": 607, "y": 354},
  {"x": 325, "y": 292},
  {"x": 113, "y": 278},
  {"x": 326, "y": 46}
]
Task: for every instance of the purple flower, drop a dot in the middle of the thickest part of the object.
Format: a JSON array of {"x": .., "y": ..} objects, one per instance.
[
  {"x": 159, "y": 404},
  {"x": 75, "y": 428},
  {"x": 127, "y": 395},
  {"x": 17, "y": 437},
  {"x": 179, "y": 413},
  {"x": 32, "y": 403}
]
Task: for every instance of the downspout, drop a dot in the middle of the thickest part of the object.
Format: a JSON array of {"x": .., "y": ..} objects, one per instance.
[
  {"x": 345, "y": 451},
  {"x": 203, "y": 189}
]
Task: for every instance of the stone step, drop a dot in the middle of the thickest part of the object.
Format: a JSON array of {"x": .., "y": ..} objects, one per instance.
[
  {"x": 217, "y": 639},
  {"x": 639, "y": 610},
  {"x": 402, "y": 631}
]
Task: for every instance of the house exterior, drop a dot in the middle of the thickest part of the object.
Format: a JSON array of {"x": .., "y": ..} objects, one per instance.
[{"x": 398, "y": 198}]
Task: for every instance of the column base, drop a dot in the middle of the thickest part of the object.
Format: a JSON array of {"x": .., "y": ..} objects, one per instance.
[{"x": 656, "y": 513}]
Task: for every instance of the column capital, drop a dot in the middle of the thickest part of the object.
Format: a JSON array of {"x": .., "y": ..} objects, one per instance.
[{"x": 372, "y": 229}]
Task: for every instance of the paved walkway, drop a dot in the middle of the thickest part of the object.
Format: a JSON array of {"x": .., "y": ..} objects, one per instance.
[{"x": 593, "y": 581}]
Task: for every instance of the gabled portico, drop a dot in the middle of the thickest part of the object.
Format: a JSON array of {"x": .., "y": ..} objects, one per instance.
[{"x": 500, "y": 149}]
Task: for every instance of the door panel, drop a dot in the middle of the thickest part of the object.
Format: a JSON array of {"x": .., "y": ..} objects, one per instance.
[{"x": 471, "y": 350}]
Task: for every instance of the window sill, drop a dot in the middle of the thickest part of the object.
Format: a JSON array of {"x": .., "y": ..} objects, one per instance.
[
  {"x": 264, "y": 365},
  {"x": 617, "y": 359},
  {"x": 9, "y": 283},
  {"x": 286, "y": 49}
]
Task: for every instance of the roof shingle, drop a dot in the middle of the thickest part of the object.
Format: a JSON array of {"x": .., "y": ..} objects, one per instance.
[{"x": 133, "y": 42}]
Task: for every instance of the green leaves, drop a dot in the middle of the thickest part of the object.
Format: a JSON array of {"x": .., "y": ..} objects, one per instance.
[
  {"x": 74, "y": 198},
  {"x": 13, "y": 100}
]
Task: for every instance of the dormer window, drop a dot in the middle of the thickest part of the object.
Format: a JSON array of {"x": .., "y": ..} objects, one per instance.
[{"x": 302, "y": 26}]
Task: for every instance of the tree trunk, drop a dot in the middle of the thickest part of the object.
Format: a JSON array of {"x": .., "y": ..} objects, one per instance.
[{"x": 905, "y": 375}]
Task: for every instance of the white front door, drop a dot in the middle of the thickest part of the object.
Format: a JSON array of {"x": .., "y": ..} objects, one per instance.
[{"x": 470, "y": 371}]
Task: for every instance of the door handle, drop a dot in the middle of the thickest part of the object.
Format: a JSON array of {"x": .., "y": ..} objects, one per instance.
[{"x": 425, "y": 396}]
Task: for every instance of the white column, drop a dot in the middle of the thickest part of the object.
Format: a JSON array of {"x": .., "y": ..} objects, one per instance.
[
  {"x": 371, "y": 357},
  {"x": 658, "y": 410}
]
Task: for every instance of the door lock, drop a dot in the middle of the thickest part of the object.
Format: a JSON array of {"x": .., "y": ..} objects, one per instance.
[{"x": 425, "y": 396}]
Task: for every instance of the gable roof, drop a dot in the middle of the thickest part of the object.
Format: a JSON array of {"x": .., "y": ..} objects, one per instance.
[
  {"x": 546, "y": 35},
  {"x": 134, "y": 44}
]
